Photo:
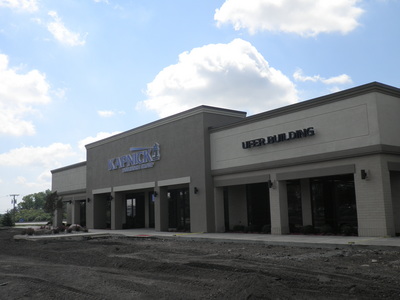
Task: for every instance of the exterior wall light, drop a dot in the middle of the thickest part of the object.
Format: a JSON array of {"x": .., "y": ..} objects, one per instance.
[
  {"x": 88, "y": 200},
  {"x": 364, "y": 174},
  {"x": 155, "y": 194},
  {"x": 196, "y": 190},
  {"x": 271, "y": 184}
]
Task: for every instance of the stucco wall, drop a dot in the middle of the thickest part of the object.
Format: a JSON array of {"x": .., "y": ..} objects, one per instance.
[
  {"x": 389, "y": 119},
  {"x": 69, "y": 179},
  {"x": 338, "y": 126}
]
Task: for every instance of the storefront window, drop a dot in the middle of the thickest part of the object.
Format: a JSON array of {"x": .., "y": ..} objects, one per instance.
[
  {"x": 135, "y": 211},
  {"x": 151, "y": 210},
  {"x": 82, "y": 213},
  {"x": 258, "y": 207},
  {"x": 294, "y": 205},
  {"x": 334, "y": 203},
  {"x": 179, "y": 209}
]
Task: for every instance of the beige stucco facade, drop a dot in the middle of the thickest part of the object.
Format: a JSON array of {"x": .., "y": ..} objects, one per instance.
[{"x": 354, "y": 130}]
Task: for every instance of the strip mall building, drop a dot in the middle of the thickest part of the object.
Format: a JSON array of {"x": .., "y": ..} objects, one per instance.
[{"x": 331, "y": 161}]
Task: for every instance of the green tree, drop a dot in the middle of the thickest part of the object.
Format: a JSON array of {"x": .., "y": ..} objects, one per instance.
[
  {"x": 31, "y": 208},
  {"x": 7, "y": 219},
  {"x": 53, "y": 202},
  {"x": 34, "y": 201},
  {"x": 32, "y": 215}
]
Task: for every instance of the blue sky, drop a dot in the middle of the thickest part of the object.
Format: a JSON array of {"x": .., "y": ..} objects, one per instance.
[{"x": 75, "y": 71}]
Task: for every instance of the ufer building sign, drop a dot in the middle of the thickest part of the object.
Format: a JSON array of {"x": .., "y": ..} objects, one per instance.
[{"x": 277, "y": 138}]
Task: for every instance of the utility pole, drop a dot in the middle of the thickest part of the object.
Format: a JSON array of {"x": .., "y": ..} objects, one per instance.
[{"x": 14, "y": 201}]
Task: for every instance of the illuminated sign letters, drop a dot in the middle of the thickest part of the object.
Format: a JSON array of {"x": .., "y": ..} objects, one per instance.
[
  {"x": 138, "y": 159},
  {"x": 277, "y": 138}
]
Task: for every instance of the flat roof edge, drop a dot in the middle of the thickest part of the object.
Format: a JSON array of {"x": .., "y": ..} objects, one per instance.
[
  {"x": 170, "y": 119},
  {"x": 77, "y": 165},
  {"x": 314, "y": 102}
]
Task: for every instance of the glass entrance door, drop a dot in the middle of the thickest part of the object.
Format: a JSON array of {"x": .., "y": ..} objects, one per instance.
[
  {"x": 82, "y": 212},
  {"x": 334, "y": 202},
  {"x": 179, "y": 209},
  {"x": 258, "y": 207},
  {"x": 135, "y": 211}
]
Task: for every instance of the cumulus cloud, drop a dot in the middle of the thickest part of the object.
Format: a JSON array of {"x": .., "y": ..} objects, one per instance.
[
  {"x": 41, "y": 182},
  {"x": 91, "y": 139},
  {"x": 105, "y": 113},
  {"x": 20, "y": 5},
  {"x": 341, "y": 79},
  {"x": 233, "y": 75},
  {"x": 62, "y": 33},
  {"x": 303, "y": 17},
  {"x": 19, "y": 93},
  {"x": 28, "y": 168},
  {"x": 44, "y": 157},
  {"x": 109, "y": 113}
]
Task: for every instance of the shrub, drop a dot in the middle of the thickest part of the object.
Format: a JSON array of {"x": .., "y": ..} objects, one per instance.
[
  {"x": 326, "y": 229},
  {"x": 348, "y": 230},
  {"x": 295, "y": 228},
  {"x": 308, "y": 229},
  {"x": 7, "y": 220},
  {"x": 30, "y": 231},
  {"x": 253, "y": 228},
  {"x": 238, "y": 228},
  {"x": 43, "y": 231},
  {"x": 266, "y": 229}
]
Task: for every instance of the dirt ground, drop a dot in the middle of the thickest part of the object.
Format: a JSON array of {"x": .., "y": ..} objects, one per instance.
[{"x": 156, "y": 268}]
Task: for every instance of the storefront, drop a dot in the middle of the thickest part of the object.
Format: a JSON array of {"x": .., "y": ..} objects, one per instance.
[
  {"x": 331, "y": 164},
  {"x": 154, "y": 176}
]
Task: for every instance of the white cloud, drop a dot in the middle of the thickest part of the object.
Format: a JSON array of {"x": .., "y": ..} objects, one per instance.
[
  {"x": 21, "y": 5},
  {"x": 233, "y": 75},
  {"x": 59, "y": 93},
  {"x": 63, "y": 34},
  {"x": 43, "y": 157},
  {"x": 40, "y": 183},
  {"x": 109, "y": 113},
  {"x": 303, "y": 17},
  {"x": 341, "y": 79},
  {"x": 105, "y": 113},
  {"x": 92, "y": 139},
  {"x": 26, "y": 170},
  {"x": 19, "y": 93}
]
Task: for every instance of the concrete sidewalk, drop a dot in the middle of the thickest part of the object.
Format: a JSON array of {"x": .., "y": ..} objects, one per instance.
[
  {"x": 285, "y": 240},
  {"x": 282, "y": 240}
]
